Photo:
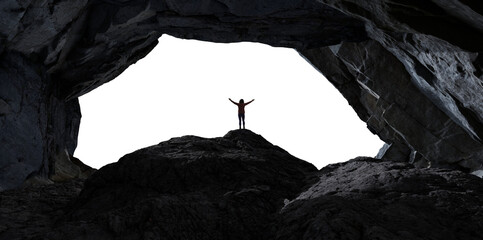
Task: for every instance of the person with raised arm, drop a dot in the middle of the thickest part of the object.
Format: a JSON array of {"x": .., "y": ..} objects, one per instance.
[{"x": 241, "y": 111}]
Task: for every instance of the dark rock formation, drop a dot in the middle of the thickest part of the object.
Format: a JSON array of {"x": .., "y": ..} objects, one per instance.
[
  {"x": 194, "y": 188},
  {"x": 36, "y": 127},
  {"x": 99, "y": 39},
  {"x": 411, "y": 69},
  {"x": 242, "y": 187},
  {"x": 369, "y": 199},
  {"x": 416, "y": 82},
  {"x": 27, "y": 212}
]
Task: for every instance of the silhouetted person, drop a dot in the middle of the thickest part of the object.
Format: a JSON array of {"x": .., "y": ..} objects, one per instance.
[{"x": 241, "y": 111}]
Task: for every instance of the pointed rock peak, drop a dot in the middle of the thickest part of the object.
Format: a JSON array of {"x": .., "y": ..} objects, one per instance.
[{"x": 248, "y": 137}]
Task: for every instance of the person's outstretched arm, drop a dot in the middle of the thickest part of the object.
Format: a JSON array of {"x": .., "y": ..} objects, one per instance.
[
  {"x": 249, "y": 102},
  {"x": 232, "y": 101}
]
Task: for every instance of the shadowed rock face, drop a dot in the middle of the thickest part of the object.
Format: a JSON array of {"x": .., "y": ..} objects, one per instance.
[
  {"x": 412, "y": 70},
  {"x": 417, "y": 83},
  {"x": 368, "y": 199},
  {"x": 100, "y": 39},
  {"x": 35, "y": 127},
  {"x": 195, "y": 188},
  {"x": 242, "y": 187}
]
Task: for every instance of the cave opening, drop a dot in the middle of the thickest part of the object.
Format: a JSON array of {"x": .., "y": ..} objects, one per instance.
[{"x": 182, "y": 88}]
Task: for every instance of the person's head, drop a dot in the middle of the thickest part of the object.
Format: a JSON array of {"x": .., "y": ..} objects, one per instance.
[{"x": 241, "y": 101}]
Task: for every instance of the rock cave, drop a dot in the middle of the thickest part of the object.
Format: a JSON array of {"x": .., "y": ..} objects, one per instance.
[{"x": 412, "y": 70}]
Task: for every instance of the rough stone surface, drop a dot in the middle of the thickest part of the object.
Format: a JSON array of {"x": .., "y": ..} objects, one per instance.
[
  {"x": 194, "y": 188},
  {"x": 20, "y": 88},
  {"x": 66, "y": 168},
  {"x": 100, "y": 39},
  {"x": 395, "y": 107},
  {"x": 34, "y": 125},
  {"x": 369, "y": 199},
  {"x": 417, "y": 83},
  {"x": 242, "y": 187},
  {"x": 26, "y": 212},
  {"x": 412, "y": 70}
]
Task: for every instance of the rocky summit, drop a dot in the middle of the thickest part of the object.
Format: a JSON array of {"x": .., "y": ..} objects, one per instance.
[{"x": 240, "y": 186}]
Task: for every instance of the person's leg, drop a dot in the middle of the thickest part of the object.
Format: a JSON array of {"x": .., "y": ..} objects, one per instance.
[
  {"x": 243, "y": 118},
  {"x": 239, "y": 120}
]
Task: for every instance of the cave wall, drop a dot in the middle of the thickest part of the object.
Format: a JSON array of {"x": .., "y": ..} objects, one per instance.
[
  {"x": 411, "y": 69},
  {"x": 381, "y": 90},
  {"x": 417, "y": 83},
  {"x": 36, "y": 127}
]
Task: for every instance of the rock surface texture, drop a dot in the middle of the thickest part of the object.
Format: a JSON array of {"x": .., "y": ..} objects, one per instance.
[
  {"x": 418, "y": 81},
  {"x": 35, "y": 127},
  {"x": 369, "y": 199},
  {"x": 242, "y": 187},
  {"x": 412, "y": 70}
]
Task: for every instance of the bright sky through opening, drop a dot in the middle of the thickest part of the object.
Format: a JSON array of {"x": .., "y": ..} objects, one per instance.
[{"x": 182, "y": 88}]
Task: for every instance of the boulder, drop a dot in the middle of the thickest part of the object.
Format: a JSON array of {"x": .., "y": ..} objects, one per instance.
[{"x": 371, "y": 199}]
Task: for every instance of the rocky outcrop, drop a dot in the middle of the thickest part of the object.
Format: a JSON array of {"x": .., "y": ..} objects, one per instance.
[
  {"x": 417, "y": 83},
  {"x": 242, "y": 187},
  {"x": 100, "y": 39},
  {"x": 369, "y": 199},
  {"x": 411, "y": 69},
  {"x": 194, "y": 188}
]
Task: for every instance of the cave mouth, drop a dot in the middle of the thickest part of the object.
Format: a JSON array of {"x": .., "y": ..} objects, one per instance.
[{"x": 182, "y": 88}]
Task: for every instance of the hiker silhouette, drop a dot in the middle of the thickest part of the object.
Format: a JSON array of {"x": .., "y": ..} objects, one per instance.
[{"x": 241, "y": 111}]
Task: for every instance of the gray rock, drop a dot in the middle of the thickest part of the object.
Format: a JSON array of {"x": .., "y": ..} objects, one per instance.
[
  {"x": 21, "y": 128},
  {"x": 4, "y": 107},
  {"x": 421, "y": 51},
  {"x": 64, "y": 169},
  {"x": 412, "y": 70},
  {"x": 35, "y": 124},
  {"x": 397, "y": 109},
  {"x": 370, "y": 199},
  {"x": 478, "y": 173}
]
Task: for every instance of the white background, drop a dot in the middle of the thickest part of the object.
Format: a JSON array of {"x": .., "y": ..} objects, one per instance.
[{"x": 182, "y": 88}]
